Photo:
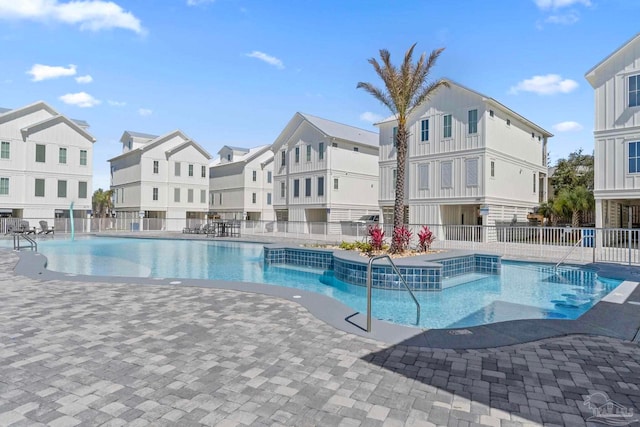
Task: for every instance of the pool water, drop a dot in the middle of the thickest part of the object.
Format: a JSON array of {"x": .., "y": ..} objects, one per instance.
[{"x": 521, "y": 291}]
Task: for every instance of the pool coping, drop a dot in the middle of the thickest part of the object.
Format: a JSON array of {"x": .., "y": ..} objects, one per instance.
[{"x": 612, "y": 319}]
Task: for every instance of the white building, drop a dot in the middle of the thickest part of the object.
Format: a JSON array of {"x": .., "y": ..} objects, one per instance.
[
  {"x": 46, "y": 163},
  {"x": 324, "y": 171},
  {"x": 166, "y": 177},
  {"x": 241, "y": 184},
  {"x": 470, "y": 161},
  {"x": 616, "y": 81}
]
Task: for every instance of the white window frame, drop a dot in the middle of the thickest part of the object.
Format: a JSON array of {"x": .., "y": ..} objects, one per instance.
[
  {"x": 446, "y": 181},
  {"x": 470, "y": 168},
  {"x": 423, "y": 176}
]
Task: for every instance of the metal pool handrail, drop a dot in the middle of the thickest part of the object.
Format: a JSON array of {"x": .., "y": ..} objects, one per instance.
[
  {"x": 370, "y": 286},
  {"x": 16, "y": 241},
  {"x": 568, "y": 253}
]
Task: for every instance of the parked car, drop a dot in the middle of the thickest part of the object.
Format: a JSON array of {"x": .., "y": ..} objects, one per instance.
[{"x": 368, "y": 219}]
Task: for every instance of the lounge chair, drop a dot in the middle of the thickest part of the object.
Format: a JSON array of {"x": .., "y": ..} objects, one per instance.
[
  {"x": 45, "y": 229},
  {"x": 26, "y": 229}
]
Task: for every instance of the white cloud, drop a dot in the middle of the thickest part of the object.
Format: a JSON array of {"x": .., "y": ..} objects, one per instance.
[
  {"x": 370, "y": 117},
  {"x": 116, "y": 103},
  {"x": 84, "y": 79},
  {"x": 41, "y": 72},
  {"x": 545, "y": 85},
  {"x": 567, "y": 127},
  {"x": 558, "y": 4},
  {"x": 271, "y": 60},
  {"x": 144, "y": 112},
  {"x": 93, "y": 15},
  {"x": 80, "y": 99},
  {"x": 566, "y": 19}
]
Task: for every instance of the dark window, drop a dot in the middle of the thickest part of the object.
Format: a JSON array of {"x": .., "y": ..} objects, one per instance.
[
  {"x": 39, "y": 187},
  {"x": 321, "y": 186},
  {"x": 307, "y": 187},
  {"x": 40, "y": 153},
  {"x": 296, "y": 188}
]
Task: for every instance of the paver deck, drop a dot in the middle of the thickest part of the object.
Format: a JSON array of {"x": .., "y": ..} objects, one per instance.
[{"x": 124, "y": 354}]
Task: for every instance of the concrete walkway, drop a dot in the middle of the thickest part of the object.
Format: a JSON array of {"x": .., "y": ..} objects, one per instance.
[{"x": 125, "y": 354}]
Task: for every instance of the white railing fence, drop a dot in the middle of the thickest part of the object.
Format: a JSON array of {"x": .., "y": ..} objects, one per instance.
[{"x": 619, "y": 245}]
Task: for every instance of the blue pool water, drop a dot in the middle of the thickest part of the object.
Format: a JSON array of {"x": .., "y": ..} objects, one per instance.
[{"x": 521, "y": 291}]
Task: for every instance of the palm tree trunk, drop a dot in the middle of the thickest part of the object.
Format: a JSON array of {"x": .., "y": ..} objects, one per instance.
[
  {"x": 575, "y": 219},
  {"x": 398, "y": 207}
]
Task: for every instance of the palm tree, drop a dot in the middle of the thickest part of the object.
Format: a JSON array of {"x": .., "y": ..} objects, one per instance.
[
  {"x": 102, "y": 202},
  {"x": 573, "y": 202},
  {"x": 546, "y": 210},
  {"x": 405, "y": 88}
]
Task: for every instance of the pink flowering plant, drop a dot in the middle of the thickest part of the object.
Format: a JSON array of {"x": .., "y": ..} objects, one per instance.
[
  {"x": 425, "y": 238},
  {"x": 401, "y": 238},
  {"x": 376, "y": 237}
]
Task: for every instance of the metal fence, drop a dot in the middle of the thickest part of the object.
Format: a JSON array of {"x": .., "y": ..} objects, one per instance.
[{"x": 517, "y": 240}]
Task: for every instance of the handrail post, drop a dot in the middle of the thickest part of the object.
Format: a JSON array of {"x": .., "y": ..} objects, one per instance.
[{"x": 369, "y": 291}]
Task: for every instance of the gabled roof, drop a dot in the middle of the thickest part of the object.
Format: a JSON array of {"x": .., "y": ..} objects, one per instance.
[
  {"x": 4, "y": 110},
  {"x": 246, "y": 150},
  {"x": 139, "y": 135},
  {"x": 189, "y": 143},
  {"x": 51, "y": 121},
  {"x": 27, "y": 109},
  {"x": 329, "y": 129},
  {"x": 159, "y": 140},
  {"x": 591, "y": 74},
  {"x": 491, "y": 101},
  {"x": 251, "y": 153}
]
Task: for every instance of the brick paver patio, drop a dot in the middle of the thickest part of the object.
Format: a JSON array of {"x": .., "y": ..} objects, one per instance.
[{"x": 114, "y": 354}]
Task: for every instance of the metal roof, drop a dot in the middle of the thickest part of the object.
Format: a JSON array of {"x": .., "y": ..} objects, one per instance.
[
  {"x": 141, "y": 135},
  {"x": 4, "y": 110},
  {"x": 342, "y": 131}
]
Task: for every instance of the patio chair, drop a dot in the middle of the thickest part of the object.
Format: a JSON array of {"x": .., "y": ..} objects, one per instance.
[
  {"x": 26, "y": 229},
  {"x": 45, "y": 229}
]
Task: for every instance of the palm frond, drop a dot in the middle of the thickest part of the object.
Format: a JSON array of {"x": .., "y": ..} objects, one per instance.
[{"x": 378, "y": 94}]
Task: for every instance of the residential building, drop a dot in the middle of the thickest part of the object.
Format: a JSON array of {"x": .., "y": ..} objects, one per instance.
[
  {"x": 324, "y": 172},
  {"x": 46, "y": 163},
  {"x": 162, "y": 178},
  {"x": 616, "y": 81},
  {"x": 470, "y": 161},
  {"x": 241, "y": 184}
]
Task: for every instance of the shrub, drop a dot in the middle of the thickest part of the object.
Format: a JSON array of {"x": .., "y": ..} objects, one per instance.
[
  {"x": 425, "y": 237},
  {"x": 402, "y": 238},
  {"x": 376, "y": 237},
  {"x": 347, "y": 246}
]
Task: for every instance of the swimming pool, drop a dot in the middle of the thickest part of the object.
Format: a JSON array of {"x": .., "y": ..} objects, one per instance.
[{"x": 521, "y": 291}]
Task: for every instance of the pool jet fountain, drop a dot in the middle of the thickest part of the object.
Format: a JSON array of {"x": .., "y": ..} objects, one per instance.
[{"x": 72, "y": 222}]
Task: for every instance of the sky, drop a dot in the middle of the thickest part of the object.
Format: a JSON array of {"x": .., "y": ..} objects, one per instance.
[{"x": 234, "y": 72}]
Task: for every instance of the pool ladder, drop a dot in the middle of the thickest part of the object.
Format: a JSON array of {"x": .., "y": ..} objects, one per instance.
[
  {"x": 370, "y": 286},
  {"x": 568, "y": 253},
  {"x": 16, "y": 242}
]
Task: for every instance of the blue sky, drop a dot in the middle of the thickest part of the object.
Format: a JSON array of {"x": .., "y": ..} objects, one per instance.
[{"x": 233, "y": 72}]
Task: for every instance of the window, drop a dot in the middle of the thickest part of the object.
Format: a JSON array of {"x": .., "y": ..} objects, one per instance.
[
  {"x": 284, "y": 158},
  {"x": 40, "y": 153},
  {"x": 176, "y": 195},
  {"x": 394, "y": 177},
  {"x": 307, "y": 187},
  {"x": 321, "y": 151},
  {"x": 62, "y": 188},
  {"x": 335, "y": 183},
  {"x": 203, "y": 196},
  {"x": 424, "y": 130},
  {"x": 297, "y": 155},
  {"x": 394, "y": 135},
  {"x": 308, "y": 153},
  {"x": 155, "y": 194},
  {"x": 82, "y": 190},
  {"x": 4, "y": 186},
  {"x": 203, "y": 171},
  {"x": 282, "y": 189},
  {"x": 445, "y": 174},
  {"x": 321, "y": 186},
  {"x": 423, "y": 176},
  {"x": 190, "y": 170},
  {"x": 269, "y": 177},
  {"x": 156, "y": 166},
  {"x": 268, "y": 198},
  {"x": 228, "y": 157},
  {"x": 473, "y": 121},
  {"x": 62, "y": 155},
  {"x": 491, "y": 113},
  {"x": 634, "y": 91},
  {"x": 634, "y": 157},
  {"x": 493, "y": 169},
  {"x": 190, "y": 195},
  {"x": 447, "y": 126},
  {"x": 254, "y": 176},
  {"x": 533, "y": 135},
  {"x": 122, "y": 195},
  {"x": 471, "y": 172},
  {"x": 296, "y": 188},
  {"x": 177, "y": 169},
  {"x": 334, "y": 144},
  {"x": 254, "y": 196},
  {"x": 39, "y": 187},
  {"x": 83, "y": 157},
  {"x": 534, "y": 182},
  {"x": 220, "y": 199},
  {"x": 5, "y": 150},
  {"x": 508, "y": 122},
  {"x": 356, "y": 149}
]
